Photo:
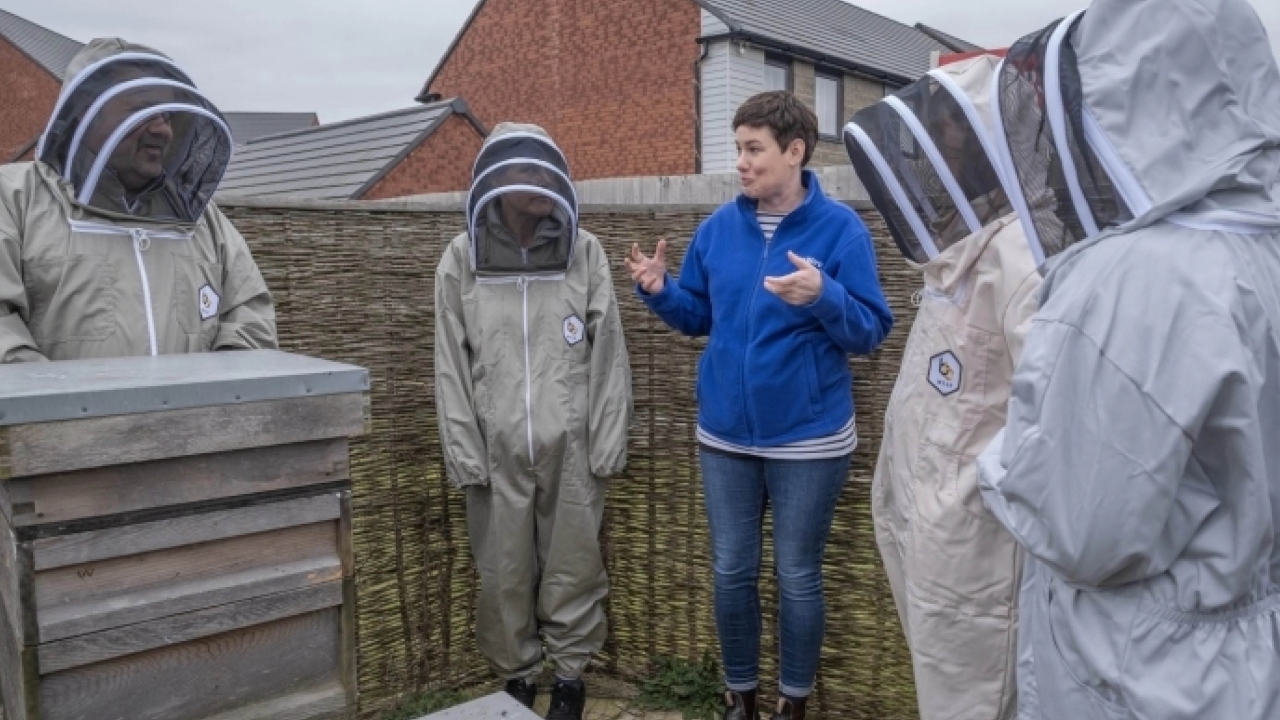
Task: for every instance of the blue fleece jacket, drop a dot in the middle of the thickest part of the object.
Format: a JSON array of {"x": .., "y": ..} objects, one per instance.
[{"x": 774, "y": 373}]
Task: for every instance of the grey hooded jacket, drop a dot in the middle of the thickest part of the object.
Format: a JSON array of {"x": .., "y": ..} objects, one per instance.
[{"x": 1140, "y": 465}]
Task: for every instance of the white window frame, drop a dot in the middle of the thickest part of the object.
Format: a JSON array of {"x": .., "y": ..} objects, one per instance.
[
  {"x": 783, "y": 64},
  {"x": 836, "y": 121}
]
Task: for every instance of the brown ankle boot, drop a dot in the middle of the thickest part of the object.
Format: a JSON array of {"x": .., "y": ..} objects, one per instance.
[
  {"x": 740, "y": 705},
  {"x": 790, "y": 709}
]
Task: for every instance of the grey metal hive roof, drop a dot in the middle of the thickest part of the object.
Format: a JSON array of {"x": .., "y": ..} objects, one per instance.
[
  {"x": 833, "y": 30},
  {"x": 51, "y": 51},
  {"x": 246, "y": 126},
  {"x": 48, "y": 392},
  {"x": 337, "y": 161}
]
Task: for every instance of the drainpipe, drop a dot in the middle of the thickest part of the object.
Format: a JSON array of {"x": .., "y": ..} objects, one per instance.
[{"x": 697, "y": 106}]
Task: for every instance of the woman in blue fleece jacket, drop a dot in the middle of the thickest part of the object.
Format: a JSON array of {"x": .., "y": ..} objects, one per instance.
[{"x": 784, "y": 282}]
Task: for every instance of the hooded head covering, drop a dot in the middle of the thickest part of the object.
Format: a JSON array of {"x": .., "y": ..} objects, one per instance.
[
  {"x": 1136, "y": 112},
  {"x": 924, "y": 155},
  {"x": 114, "y": 90},
  {"x": 521, "y": 164}
]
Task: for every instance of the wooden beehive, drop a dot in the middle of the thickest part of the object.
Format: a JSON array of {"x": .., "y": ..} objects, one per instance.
[{"x": 175, "y": 538}]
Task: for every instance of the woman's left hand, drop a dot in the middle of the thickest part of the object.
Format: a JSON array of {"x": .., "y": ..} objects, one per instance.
[{"x": 801, "y": 287}]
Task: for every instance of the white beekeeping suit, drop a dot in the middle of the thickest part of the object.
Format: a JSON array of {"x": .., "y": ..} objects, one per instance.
[
  {"x": 923, "y": 154},
  {"x": 1140, "y": 465}
]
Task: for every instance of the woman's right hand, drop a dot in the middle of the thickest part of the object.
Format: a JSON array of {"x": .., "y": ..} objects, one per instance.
[{"x": 650, "y": 273}]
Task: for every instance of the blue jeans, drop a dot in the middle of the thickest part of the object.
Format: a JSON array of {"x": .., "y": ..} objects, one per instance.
[{"x": 802, "y": 494}]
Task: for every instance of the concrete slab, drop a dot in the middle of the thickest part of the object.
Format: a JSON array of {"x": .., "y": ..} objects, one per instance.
[{"x": 499, "y": 706}]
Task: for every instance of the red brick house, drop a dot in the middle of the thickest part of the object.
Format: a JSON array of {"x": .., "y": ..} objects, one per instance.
[
  {"x": 32, "y": 61},
  {"x": 423, "y": 149},
  {"x": 649, "y": 88}
]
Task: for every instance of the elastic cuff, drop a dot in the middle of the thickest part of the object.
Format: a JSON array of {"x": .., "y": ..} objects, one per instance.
[
  {"x": 575, "y": 680},
  {"x": 793, "y": 693},
  {"x": 742, "y": 687},
  {"x": 569, "y": 666}
]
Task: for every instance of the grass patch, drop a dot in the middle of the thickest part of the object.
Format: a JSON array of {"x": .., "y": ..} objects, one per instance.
[
  {"x": 694, "y": 689},
  {"x": 426, "y": 702}
]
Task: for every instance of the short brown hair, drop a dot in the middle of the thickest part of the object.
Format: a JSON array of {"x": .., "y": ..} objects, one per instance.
[{"x": 785, "y": 116}]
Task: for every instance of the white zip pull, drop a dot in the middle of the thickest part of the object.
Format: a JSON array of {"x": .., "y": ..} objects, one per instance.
[
  {"x": 523, "y": 284},
  {"x": 141, "y": 242}
]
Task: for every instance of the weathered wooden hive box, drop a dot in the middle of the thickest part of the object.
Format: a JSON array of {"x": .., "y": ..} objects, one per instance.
[{"x": 175, "y": 538}]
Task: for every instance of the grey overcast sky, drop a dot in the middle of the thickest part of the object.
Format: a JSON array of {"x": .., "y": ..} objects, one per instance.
[{"x": 347, "y": 58}]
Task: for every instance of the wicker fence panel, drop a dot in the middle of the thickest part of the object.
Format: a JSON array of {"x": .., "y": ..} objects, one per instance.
[{"x": 357, "y": 286}]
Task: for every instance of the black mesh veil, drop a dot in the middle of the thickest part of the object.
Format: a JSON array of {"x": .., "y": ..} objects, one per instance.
[
  {"x": 892, "y": 180},
  {"x": 926, "y": 168},
  {"x": 133, "y": 135},
  {"x": 522, "y": 209},
  {"x": 1040, "y": 118}
]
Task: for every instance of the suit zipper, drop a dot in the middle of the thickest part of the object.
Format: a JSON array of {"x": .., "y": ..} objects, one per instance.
[
  {"x": 523, "y": 284},
  {"x": 141, "y": 243}
]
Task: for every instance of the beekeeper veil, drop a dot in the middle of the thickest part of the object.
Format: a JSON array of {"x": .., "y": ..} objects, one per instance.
[
  {"x": 924, "y": 155},
  {"x": 1141, "y": 112},
  {"x": 522, "y": 210},
  {"x": 133, "y": 136},
  {"x": 1047, "y": 143}
]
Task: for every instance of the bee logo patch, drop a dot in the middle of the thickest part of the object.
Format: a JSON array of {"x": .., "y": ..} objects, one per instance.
[
  {"x": 574, "y": 330},
  {"x": 945, "y": 373},
  {"x": 209, "y": 302}
]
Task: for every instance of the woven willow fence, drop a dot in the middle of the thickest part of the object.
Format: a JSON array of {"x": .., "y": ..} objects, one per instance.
[{"x": 355, "y": 285}]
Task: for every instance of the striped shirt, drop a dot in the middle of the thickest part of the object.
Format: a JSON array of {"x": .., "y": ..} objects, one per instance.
[
  {"x": 838, "y": 444},
  {"x": 769, "y": 223}
]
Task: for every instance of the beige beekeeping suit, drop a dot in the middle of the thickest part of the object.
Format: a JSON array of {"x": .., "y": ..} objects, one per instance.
[
  {"x": 954, "y": 570},
  {"x": 85, "y": 276},
  {"x": 533, "y": 393}
]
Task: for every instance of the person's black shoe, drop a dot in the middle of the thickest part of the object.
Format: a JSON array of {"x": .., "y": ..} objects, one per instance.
[
  {"x": 790, "y": 709},
  {"x": 523, "y": 690},
  {"x": 568, "y": 700},
  {"x": 740, "y": 705}
]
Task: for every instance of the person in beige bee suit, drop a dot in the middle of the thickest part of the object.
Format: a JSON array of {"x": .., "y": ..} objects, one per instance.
[
  {"x": 109, "y": 243},
  {"x": 533, "y": 391},
  {"x": 924, "y": 156}
]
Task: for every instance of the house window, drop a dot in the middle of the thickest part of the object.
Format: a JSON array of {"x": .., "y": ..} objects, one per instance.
[
  {"x": 777, "y": 73},
  {"x": 827, "y": 104}
]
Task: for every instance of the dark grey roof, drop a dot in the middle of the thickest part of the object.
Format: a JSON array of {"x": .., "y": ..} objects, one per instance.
[
  {"x": 832, "y": 31},
  {"x": 51, "y": 51},
  {"x": 246, "y": 126},
  {"x": 951, "y": 41},
  {"x": 338, "y": 161}
]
